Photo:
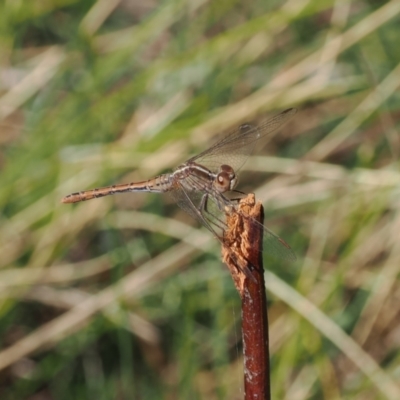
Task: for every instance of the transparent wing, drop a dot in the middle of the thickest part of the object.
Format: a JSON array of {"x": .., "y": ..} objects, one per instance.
[
  {"x": 188, "y": 195},
  {"x": 234, "y": 149},
  {"x": 190, "y": 198},
  {"x": 274, "y": 245}
]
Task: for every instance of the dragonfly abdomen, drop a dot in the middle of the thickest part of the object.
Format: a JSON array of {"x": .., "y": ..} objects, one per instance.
[{"x": 158, "y": 184}]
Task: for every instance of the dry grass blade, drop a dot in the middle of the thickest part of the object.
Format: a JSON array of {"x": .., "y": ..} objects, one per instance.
[
  {"x": 383, "y": 382},
  {"x": 40, "y": 76},
  {"x": 131, "y": 286},
  {"x": 364, "y": 110}
]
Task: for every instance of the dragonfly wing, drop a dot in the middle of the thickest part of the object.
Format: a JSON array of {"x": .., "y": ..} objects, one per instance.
[
  {"x": 192, "y": 200},
  {"x": 234, "y": 149},
  {"x": 207, "y": 207},
  {"x": 274, "y": 245}
]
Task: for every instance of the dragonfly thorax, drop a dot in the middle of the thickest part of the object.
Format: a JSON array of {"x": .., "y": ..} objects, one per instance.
[{"x": 226, "y": 179}]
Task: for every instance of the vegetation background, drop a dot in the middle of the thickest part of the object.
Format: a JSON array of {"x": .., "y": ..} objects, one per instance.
[{"x": 124, "y": 297}]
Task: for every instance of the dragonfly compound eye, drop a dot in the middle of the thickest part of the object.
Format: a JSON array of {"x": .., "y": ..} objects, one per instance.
[
  {"x": 223, "y": 182},
  {"x": 229, "y": 172}
]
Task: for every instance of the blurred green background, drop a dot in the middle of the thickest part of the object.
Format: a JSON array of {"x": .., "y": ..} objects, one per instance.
[{"x": 125, "y": 297}]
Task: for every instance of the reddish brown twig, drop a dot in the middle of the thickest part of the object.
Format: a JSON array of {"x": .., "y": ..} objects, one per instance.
[{"x": 242, "y": 253}]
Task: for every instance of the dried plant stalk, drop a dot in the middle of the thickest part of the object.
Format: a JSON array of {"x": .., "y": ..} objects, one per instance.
[{"x": 242, "y": 252}]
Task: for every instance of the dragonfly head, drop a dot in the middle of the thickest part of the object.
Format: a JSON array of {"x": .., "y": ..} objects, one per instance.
[{"x": 226, "y": 179}]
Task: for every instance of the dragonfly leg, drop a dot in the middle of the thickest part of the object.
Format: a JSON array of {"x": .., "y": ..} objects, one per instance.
[
  {"x": 203, "y": 207},
  {"x": 237, "y": 199}
]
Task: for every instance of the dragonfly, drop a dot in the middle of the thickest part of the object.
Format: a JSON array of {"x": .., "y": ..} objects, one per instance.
[{"x": 201, "y": 185}]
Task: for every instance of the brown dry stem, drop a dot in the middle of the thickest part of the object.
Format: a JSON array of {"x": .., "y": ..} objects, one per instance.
[{"x": 242, "y": 252}]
